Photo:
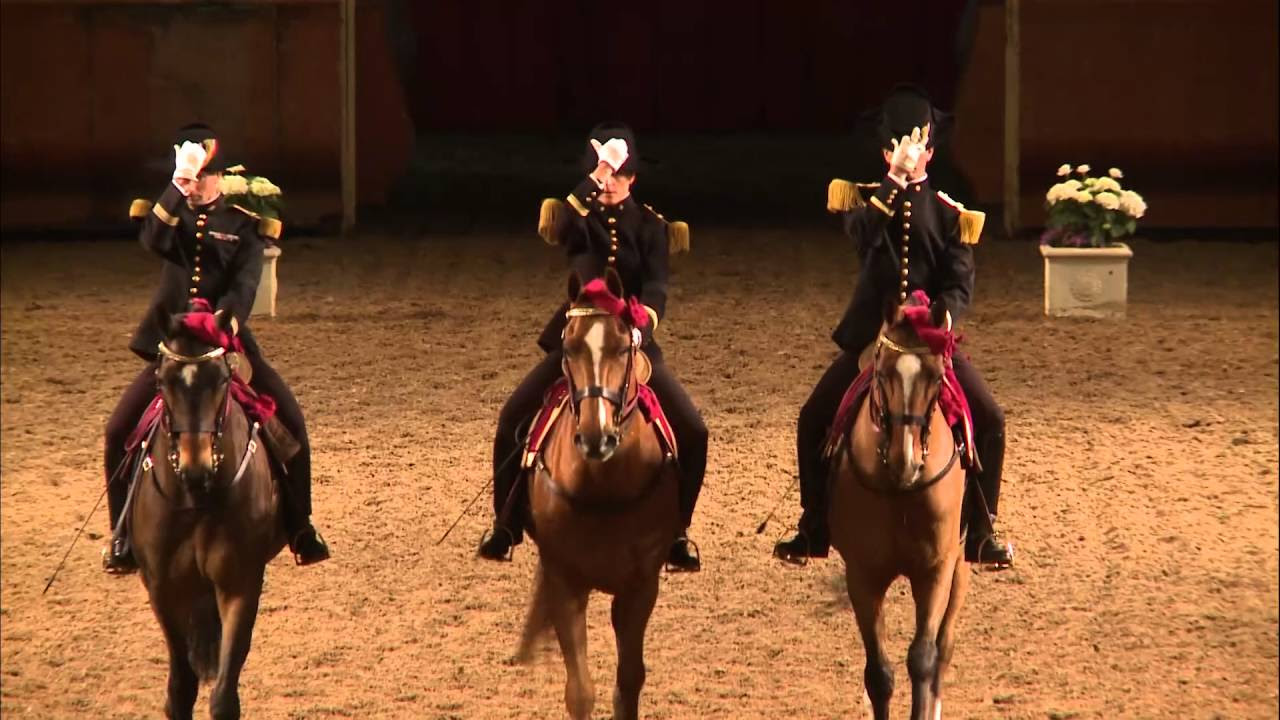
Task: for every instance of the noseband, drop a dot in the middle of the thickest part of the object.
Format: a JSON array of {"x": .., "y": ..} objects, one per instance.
[
  {"x": 622, "y": 407},
  {"x": 881, "y": 418},
  {"x": 175, "y": 429}
]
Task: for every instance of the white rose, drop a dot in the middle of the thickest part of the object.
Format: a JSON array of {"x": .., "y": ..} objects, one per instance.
[
  {"x": 1072, "y": 184},
  {"x": 1108, "y": 184},
  {"x": 1107, "y": 200},
  {"x": 263, "y": 187},
  {"x": 1090, "y": 182},
  {"x": 1083, "y": 169},
  {"x": 233, "y": 185},
  {"x": 1064, "y": 171},
  {"x": 1055, "y": 193},
  {"x": 1082, "y": 196},
  {"x": 1115, "y": 173},
  {"x": 1132, "y": 204}
]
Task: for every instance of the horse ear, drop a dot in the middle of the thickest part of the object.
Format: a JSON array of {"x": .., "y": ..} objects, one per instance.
[
  {"x": 170, "y": 323},
  {"x": 575, "y": 286},
  {"x": 613, "y": 281},
  {"x": 890, "y": 311}
]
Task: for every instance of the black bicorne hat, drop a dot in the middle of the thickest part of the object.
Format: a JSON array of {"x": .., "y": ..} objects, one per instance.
[
  {"x": 908, "y": 107},
  {"x": 603, "y": 133},
  {"x": 202, "y": 134}
]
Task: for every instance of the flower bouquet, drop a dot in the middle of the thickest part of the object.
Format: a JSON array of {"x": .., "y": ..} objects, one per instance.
[
  {"x": 1090, "y": 212},
  {"x": 252, "y": 192}
]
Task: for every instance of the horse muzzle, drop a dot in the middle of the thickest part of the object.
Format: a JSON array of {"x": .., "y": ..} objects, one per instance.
[{"x": 600, "y": 448}]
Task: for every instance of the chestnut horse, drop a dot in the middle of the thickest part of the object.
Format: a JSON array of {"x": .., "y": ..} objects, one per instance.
[
  {"x": 896, "y": 497},
  {"x": 603, "y": 501},
  {"x": 204, "y": 518}
]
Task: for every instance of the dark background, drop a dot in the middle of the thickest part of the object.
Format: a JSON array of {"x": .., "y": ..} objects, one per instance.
[{"x": 469, "y": 112}]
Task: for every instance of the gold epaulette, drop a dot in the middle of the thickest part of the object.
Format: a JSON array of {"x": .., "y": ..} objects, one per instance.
[
  {"x": 843, "y": 196},
  {"x": 547, "y": 217},
  {"x": 677, "y": 233},
  {"x": 139, "y": 208},
  {"x": 971, "y": 221},
  {"x": 270, "y": 227}
]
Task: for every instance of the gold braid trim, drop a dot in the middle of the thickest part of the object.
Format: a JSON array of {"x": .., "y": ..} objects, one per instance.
[
  {"x": 548, "y": 214},
  {"x": 164, "y": 215}
]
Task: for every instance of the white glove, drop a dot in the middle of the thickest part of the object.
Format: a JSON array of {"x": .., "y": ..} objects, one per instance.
[
  {"x": 188, "y": 160},
  {"x": 613, "y": 152},
  {"x": 907, "y": 151}
]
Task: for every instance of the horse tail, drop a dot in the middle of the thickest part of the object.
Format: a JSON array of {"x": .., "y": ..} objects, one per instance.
[
  {"x": 204, "y": 636},
  {"x": 538, "y": 620}
]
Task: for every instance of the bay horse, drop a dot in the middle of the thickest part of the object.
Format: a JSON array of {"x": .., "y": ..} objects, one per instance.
[
  {"x": 896, "y": 498},
  {"x": 603, "y": 499},
  {"x": 204, "y": 517}
]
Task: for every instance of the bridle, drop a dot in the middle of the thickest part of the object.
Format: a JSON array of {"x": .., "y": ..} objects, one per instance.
[
  {"x": 881, "y": 418},
  {"x": 219, "y": 420},
  {"x": 623, "y": 403}
]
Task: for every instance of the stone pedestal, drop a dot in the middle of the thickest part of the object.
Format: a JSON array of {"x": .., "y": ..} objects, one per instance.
[
  {"x": 1086, "y": 282},
  {"x": 265, "y": 302}
]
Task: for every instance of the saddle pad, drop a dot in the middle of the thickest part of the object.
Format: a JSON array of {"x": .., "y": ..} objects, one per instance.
[
  {"x": 557, "y": 399},
  {"x": 857, "y": 393}
]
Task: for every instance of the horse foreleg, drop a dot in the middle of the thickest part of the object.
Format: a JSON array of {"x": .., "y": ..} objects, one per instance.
[
  {"x": 183, "y": 683},
  {"x": 932, "y": 593},
  {"x": 239, "y": 610},
  {"x": 630, "y": 616},
  {"x": 867, "y": 597},
  {"x": 568, "y": 608},
  {"x": 946, "y": 635}
]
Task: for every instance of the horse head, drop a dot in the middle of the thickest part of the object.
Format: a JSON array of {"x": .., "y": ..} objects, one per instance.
[
  {"x": 601, "y": 340},
  {"x": 909, "y": 366},
  {"x": 194, "y": 375}
]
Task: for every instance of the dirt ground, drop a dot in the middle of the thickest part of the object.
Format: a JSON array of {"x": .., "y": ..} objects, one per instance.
[{"x": 1141, "y": 489}]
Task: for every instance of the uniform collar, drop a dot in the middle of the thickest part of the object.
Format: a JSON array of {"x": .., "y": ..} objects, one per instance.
[
  {"x": 919, "y": 185},
  {"x": 217, "y": 204},
  {"x": 623, "y": 208}
]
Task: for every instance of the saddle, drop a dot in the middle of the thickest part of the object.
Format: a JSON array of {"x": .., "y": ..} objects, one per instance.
[{"x": 558, "y": 397}]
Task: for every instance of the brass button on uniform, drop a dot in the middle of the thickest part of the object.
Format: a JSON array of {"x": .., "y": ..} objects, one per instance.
[
  {"x": 613, "y": 220},
  {"x": 193, "y": 291}
]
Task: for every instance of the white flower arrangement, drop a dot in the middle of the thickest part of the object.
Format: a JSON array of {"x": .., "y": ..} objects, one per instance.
[
  {"x": 253, "y": 192},
  {"x": 1086, "y": 211}
]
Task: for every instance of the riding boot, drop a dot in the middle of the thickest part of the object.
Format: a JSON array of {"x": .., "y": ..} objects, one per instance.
[
  {"x": 681, "y": 558},
  {"x": 117, "y": 557},
  {"x": 984, "y": 545}
]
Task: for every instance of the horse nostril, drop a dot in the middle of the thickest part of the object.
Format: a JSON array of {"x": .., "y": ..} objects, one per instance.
[
  {"x": 577, "y": 439},
  {"x": 610, "y": 442}
]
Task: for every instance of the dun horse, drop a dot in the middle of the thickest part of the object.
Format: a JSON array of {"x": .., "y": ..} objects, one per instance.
[
  {"x": 603, "y": 500},
  {"x": 203, "y": 518},
  {"x": 897, "y": 491}
]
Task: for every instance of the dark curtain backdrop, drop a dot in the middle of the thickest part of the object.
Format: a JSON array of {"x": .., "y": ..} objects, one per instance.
[{"x": 675, "y": 65}]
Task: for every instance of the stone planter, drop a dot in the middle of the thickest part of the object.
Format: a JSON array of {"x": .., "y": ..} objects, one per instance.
[
  {"x": 1086, "y": 282},
  {"x": 265, "y": 302}
]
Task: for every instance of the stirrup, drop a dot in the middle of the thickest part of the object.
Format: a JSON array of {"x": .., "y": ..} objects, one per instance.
[
  {"x": 797, "y": 560},
  {"x": 511, "y": 544},
  {"x": 995, "y": 540},
  {"x": 112, "y": 566},
  {"x": 696, "y": 555}
]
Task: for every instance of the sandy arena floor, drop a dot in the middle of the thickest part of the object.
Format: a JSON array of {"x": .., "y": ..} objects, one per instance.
[{"x": 1141, "y": 489}]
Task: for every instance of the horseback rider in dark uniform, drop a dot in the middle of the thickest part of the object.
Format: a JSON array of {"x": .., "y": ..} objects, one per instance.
[
  {"x": 602, "y": 227},
  {"x": 908, "y": 237},
  {"x": 211, "y": 250}
]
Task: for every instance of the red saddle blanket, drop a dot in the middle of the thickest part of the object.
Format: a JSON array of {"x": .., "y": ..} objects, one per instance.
[
  {"x": 951, "y": 401},
  {"x": 557, "y": 399}
]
